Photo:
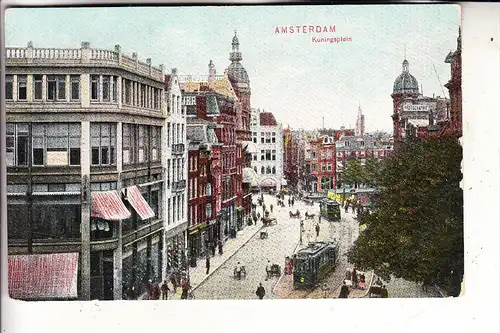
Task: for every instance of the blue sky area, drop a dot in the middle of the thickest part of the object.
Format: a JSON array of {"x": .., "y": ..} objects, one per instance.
[{"x": 296, "y": 79}]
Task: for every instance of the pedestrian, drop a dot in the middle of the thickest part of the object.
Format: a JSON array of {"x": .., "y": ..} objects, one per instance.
[
  {"x": 271, "y": 208},
  {"x": 268, "y": 270},
  {"x": 258, "y": 216},
  {"x": 320, "y": 218},
  {"x": 344, "y": 291},
  {"x": 260, "y": 291},
  {"x": 293, "y": 201},
  {"x": 317, "y": 230},
  {"x": 185, "y": 289},
  {"x": 173, "y": 281},
  {"x": 212, "y": 245},
  {"x": 346, "y": 207},
  {"x": 289, "y": 202},
  {"x": 220, "y": 247},
  {"x": 207, "y": 264},
  {"x": 354, "y": 279},
  {"x": 150, "y": 290},
  {"x": 164, "y": 290}
]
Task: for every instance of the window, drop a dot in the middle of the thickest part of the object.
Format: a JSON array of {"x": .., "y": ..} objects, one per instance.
[
  {"x": 273, "y": 138},
  {"x": 94, "y": 87},
  {"x": 106, "y": 85},
  {"x": 103, "y": 143},
  {"x": 262, "y": 137},
  {"x": 329, "y": 167},
  {"x": 268, "y": 155},
  {"x": 255, "y": 157},
  {"x": 61, "y": 87},
  {"x": 21, "y": 87},
  {"x": 51, "y": 87},
  {"x": 268, "y": 170},
  {"x": 102, "y": 186},
  {"x": 9, "y": 87},
  {"x": 208, "y": 210},
  {"x": 209, "y": 190},
  {"x": 323, "y": 167},
  {"x": 155, "y": 143},
  {"x": 38, "y": 86},
  {"x": 17, "y": 144},
  {"x": 268, "y": 137},
  {"x": 328, "y": 154},
  {"x": 274, "y": 155},
  {"x": 274, "y": 170},
  {"x": 56, "y": 144},
  {"x": 262, "y": 170}
]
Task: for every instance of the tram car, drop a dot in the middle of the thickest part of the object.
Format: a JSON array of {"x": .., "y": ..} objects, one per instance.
[
  {"x": 313, "y": 263},
  {"x": 329, "y": 210}
]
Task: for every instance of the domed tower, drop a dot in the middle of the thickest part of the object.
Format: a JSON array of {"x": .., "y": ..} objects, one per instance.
[
  {"x": 405, "y": 86},
  {"x": 238, "y": 76}
]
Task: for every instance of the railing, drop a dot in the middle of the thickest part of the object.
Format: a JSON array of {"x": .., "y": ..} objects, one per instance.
[
  {"x": 83, "y": 55},
  {"x": 178, "y": 148},
  {"x": 179, "y": 185},
  {"x": 103, "y": 55},
  {"x": 199, "y": 78}
]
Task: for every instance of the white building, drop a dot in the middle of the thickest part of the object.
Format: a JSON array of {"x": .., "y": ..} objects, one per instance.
[
  {"x": 175, "y": 155},
  {"x": 267, "y": 150}
]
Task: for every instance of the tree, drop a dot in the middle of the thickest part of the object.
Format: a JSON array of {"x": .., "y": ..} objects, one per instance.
[
  {"x": 372, "y": 171},
  {"x": 354, "y": 173},
  {"x": 416, "y": 233}
]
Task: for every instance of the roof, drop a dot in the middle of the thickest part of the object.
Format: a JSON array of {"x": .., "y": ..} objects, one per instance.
[
  {"x": 43, "y": 276},
  {"x": 167, "y": 80},
  {"x": 405, "y": 82},
  {"x": 220, "y": 86},
  {"x": 267, "y": 119}
]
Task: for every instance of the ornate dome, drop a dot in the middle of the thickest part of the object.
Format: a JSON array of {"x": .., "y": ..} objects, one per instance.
[
  {"x": 405, "y": 82},
  {"x": 238, "y": 73}
]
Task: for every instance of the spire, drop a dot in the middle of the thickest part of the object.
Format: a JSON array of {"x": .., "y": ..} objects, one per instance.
[
  {"x": 235, "y": 56},
  {"x": 459, "y": 39}
]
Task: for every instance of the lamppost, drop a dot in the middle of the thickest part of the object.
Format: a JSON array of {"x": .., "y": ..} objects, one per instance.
[{"x": 301, "y": 230}]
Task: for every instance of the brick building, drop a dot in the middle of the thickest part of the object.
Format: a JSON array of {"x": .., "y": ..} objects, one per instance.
[{"x": 322, "y": 164}]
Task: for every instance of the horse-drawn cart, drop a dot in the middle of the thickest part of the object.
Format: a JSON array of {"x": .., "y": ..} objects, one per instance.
[
  {"x": 267, "y": 221},
  {"x": 274, "y": 270}
]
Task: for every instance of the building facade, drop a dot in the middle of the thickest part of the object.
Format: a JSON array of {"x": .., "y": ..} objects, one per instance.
[
  {"x": 85, "y": 134},
  {"x": 175, "y": 191},
  {"x": 322, "y": 164},
  {"x": 454, "y": 86},
  {"x": 267, "y": 157}
]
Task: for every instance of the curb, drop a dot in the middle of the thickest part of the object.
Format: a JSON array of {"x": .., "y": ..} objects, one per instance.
[{"x": 222, "y": 263}]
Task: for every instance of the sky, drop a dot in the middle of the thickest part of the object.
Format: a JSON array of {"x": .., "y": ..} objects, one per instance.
[{"x": 298, "y": 80}]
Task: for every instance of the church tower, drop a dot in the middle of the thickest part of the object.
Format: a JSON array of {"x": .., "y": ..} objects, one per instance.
[
  {"x": 360, "y": 123},
  {"x": 405, "y": 86},
  {"x": 240, "y": 82}
]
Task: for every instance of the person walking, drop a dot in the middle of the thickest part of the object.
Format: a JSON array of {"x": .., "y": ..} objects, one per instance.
[
  {"x": 271, "y": 207},
  {"x": 164, "y": 290},
  {"x": 344, "y": 291},
  {"x": 320, "y": 219},
  {"x": 185, "y": 289},
  {"x": 212, "y": 246},
  {"x": 293, "y": 201},
  {"x": 260, "y": 291},
  {"x": 268, "y": 270},
  {"x": 173, "y": 281},
  {"x": 317, "y": 230},
  {"x": 354, "y": 279},
  {"x": 220, "y": 247},
  {"x": 207, "y": 264}
]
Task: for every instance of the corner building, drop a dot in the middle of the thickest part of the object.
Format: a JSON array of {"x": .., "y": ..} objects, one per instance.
[{"x": 85, "y": 134}]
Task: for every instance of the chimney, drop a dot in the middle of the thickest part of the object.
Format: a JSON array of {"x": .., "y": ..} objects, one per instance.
[{"x": 211, "y": 71}]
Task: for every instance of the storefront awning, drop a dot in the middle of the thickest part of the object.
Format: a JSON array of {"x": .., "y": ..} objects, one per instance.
[
  {"x": 107, "y": 205},
  {"x": 43, "y": 276},
  {"x": 140, "y": 205}
]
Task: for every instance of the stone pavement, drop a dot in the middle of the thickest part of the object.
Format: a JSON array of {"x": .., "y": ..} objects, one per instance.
[{"x": 198, "y": 274}]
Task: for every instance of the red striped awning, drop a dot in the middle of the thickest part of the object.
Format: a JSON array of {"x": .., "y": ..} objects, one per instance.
[
  {"x": 137, "y": 201},
  {"x": 43, "y": 276},
  {"x": 108, "y": 205}
]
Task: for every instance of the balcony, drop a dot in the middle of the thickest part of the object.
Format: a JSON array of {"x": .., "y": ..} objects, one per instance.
[
  {"x": 179, "y": 185},
  {"x": 178, "y": 148}
]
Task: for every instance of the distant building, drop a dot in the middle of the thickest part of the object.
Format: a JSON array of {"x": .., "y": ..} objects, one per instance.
[
  {"x": 267, "y": 158},
  {"x": 361, "y": 148}
]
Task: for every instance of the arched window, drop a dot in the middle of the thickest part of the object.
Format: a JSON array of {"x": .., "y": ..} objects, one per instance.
[
  {"x": 268, "y": 170},
  {"x": 262, "y": 170},
  {"x": 274, "y": 170}
]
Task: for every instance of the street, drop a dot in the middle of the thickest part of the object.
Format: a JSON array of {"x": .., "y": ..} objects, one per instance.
[{"x": 282, "y": 241}]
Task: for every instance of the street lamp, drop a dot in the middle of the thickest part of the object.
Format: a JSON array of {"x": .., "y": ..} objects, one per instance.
[{"x": 301, "y": 230}]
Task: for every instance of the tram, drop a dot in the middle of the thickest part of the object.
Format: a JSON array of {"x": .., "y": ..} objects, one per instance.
[
  {"x": 330, "y": 210},
  {"x": 313, "y": 263}
]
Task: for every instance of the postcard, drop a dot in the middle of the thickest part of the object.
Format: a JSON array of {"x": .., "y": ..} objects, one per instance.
[{"x": 187, "y": 153}]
